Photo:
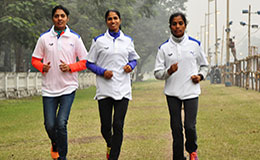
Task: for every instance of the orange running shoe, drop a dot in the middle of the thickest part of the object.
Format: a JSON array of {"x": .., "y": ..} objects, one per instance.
[
  {"x": 194, "y": 156},
  {"x": 54, "y": 152}
]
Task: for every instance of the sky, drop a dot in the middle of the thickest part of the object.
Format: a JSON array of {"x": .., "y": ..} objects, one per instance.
[{"x": 196, "y": 9}]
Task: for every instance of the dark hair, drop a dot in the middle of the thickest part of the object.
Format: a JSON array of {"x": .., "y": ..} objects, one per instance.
[
  {"x": 67, "y": 12},
  {"x": 176, "y": 15},
  {"x": 112, "y": 10}
]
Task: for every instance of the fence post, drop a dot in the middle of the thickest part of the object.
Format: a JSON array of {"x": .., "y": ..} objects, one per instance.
[
  {"x": 36, "y": 81},
  {"x": 244, "y": 72},
  {"x": 27, "y": 82},
  {"x": 17, "y": 85},
  {"x": 6, "y": 89}
]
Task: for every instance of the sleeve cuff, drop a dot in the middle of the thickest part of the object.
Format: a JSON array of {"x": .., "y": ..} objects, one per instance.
[{"x": 201, "y": 77}]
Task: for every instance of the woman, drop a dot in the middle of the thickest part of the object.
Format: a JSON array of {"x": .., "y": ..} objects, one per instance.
[
  {"x": 58, "y": 48},
  {"x": 112, "y": 57},
  {"x": 182, "y": 63}
]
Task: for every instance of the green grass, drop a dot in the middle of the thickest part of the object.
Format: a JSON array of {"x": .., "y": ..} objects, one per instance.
[{"x": 227, "y": 125}]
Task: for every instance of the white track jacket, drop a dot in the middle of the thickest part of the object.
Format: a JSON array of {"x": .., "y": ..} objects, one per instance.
[
  {"x": 113, "y": 54},
  {"x": 191, "y": 61}
]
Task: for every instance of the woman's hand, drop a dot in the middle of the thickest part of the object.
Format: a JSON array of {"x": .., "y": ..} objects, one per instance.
[
  {"x": 64, "y": 67},
  {"x": 46, "y": 67},
  {"x": 195, "y": 79},
  {"x": 127, "y": 68},
  {"x": 108, "y": 74},
  {"x": 173, "y": 68}
]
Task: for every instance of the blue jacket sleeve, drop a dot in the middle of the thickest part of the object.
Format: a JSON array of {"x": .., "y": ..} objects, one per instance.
[
  {"x": 132, "y": 64},
  {"x": 96, "y": 69}
]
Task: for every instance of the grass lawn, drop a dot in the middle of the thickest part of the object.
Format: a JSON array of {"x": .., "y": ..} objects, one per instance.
[{"x": 228, "y": 126}]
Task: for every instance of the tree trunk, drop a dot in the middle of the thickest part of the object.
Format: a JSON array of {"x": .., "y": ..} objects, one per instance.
[
  {"x": 139, "y": 74},
  {"x": 19, "y": 55},
  {"x": 7, "y": 59}
]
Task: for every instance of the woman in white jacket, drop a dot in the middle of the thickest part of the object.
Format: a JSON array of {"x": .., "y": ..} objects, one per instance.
[
  {"x": 181, "y": 62},
  {"x": 112, "y": 57},
  {"x": 55, "y": 56}
]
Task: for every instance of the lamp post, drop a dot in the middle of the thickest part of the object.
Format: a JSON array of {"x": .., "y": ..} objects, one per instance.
[
  {"x": 249, "y": 40},
  {"x": 208, "y": 33},
  {"x": 208, "y": 25},
  {"x": 227, "y": 77},
  {"x": 209, "y": 59},
  {"x": 216, "y": 35},
  {"x": 215, "y": 72},
  {"x": 205, "y": 35},
  {"x": 222, "y": 46},
  {"x": 213, "y": 69}
]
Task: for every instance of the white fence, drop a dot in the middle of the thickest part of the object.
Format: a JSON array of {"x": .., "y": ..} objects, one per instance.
[{"x": 17, "y": 85}]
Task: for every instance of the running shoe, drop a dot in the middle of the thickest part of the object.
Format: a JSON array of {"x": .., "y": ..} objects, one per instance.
[
  {"x": 54, "y": 152},
  {"x": 194, "y": 156}
]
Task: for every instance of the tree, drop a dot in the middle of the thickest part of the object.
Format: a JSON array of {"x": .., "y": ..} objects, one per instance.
[{"x": 21, "y": 22}]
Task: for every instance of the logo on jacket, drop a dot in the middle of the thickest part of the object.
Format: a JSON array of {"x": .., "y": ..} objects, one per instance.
[
  {"x": 192, "y": 52},
  {"x": 72, "y": 45},
  {"x": 170, "y": 54},
  {"x": 106, "y": 47},
  {"x": 51, "y": 44}
]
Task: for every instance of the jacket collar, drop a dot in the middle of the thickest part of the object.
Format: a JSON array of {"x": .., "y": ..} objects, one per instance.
[
  {"x": 66, "y": 33},
  {"x": 121, "y": 34},
  {"x": 185, "y": 37},
  {"x": 114, "y": 34}
]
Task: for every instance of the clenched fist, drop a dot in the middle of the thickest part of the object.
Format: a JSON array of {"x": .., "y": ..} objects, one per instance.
[
  {"x": 195, "y": 79},
  {"x": 127, "y": 68},
  {"x": 173, "y": 68},
  {"x": 108, "y": 74}
]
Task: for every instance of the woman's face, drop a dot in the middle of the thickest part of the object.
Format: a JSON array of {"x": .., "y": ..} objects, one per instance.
[
  {"x": 60, "y": 19},
  {"x": 113, "y": 22},
  {"x": 178, "y": 26}
]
